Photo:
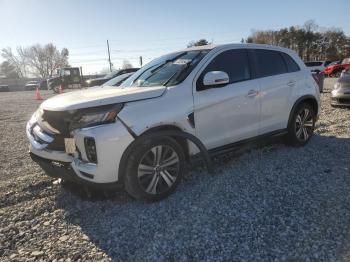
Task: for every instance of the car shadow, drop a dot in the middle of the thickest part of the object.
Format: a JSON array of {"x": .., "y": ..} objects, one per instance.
[{"x": 271, "y": 202}]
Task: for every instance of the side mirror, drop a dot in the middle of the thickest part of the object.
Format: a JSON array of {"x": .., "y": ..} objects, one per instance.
[{"x": 215, "y": 78}]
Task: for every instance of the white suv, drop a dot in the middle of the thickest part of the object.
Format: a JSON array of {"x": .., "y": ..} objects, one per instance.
[{"x": 199, "y": 100}]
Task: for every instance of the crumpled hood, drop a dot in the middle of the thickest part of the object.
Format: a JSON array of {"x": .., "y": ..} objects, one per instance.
[{"x": 100, "y": 96}]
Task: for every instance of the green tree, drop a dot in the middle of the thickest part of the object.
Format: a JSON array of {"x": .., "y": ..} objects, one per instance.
[{"x": 307, "y": 41}]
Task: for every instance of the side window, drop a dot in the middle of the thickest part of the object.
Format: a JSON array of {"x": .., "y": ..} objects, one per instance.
[
  {"x": 234, "y": 62},
  {"x": 292, "y": 66},
  {"x": 269, "y": 63}
]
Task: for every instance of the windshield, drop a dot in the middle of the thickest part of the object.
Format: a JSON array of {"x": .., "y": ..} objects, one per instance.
[
  {"x": 167, "y": 70},
  {"x": 116, "y": 81}
]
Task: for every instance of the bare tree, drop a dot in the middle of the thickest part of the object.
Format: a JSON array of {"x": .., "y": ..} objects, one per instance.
[
  {"x": 43, "y": 60},
  {"x": 126, "y": 64},
  {"x": 37, "y": 60},
  {"x": 18, "y": 62}
]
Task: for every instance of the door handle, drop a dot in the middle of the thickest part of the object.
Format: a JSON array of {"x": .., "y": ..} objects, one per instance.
[
  {"x": 252, "y": 93},
  {"x": 291, "y": 83}
]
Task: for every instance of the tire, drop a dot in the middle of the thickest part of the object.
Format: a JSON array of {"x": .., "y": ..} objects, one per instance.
[
  {"x": 154, "y": 168},
  {"x": 55, "y": 89},
  {"x": 301, "y": 126}
]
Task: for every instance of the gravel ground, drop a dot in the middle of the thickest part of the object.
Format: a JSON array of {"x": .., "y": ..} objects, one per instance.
[{"x": 271, "y": 203}]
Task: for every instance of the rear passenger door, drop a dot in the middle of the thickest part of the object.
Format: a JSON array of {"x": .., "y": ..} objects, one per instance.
[
  {"x": 276, "y": 85},
  {"x": 227, "y": 113}
]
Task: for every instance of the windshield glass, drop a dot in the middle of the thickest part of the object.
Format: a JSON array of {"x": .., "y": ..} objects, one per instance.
[
  {"x": 167, "y": 70},
  {"x": 116, "y": 81}
]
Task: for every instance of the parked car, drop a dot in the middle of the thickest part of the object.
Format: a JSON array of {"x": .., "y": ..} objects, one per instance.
[
  {"x": 99, "y": 81},
  {"x": 118, "y": 80},
  {"x": 31, "y": 85},
  {"x": 43, "y": 84},
  {"x": 66, "y": 78},
  {"x": 340, "y": 95},
  {"x": 4, "y": 88},
  {"x": 207, "y": 100},
  {"x": 317, "y": 66},
  {"x": 336, "y": 69},
  {"x": 335, "y": 62}
]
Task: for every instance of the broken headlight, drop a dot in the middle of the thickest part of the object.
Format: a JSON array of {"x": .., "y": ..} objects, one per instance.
[{"x": 96, "y": 116}]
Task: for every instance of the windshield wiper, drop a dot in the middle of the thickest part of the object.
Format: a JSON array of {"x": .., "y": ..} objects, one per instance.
[
  {"x": 157, "y": 67},
  {"x": 186, "y": 66},
  {"x": 167, "y": 61}
]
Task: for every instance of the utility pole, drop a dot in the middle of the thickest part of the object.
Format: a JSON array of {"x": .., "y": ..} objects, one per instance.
[
  {"x": 140, "y": 61},
  {"x": 109, "y": 57}
]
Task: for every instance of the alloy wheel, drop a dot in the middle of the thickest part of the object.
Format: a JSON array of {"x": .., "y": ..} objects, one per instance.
[
  {"x": 304, "y": 125},
  {"x": 158, "y": 169}
]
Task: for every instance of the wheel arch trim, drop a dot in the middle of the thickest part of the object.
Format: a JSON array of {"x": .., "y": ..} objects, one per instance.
[
  {"x": 299, "y": 101},
  {"x": 174, "y": 132}
]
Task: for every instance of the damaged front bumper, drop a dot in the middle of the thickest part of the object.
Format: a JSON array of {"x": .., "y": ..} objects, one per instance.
[
  {"x": 111, "y": 140},
  {"x": 65, "y": 171}
]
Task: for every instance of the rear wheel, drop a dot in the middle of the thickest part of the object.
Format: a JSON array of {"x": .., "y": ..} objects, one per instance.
[
  {"x": 154, "y": 169},
  {"x": 302, "y": 125}
]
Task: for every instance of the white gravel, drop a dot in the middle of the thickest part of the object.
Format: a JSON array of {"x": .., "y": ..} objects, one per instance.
[{"x": 271, "y": 203}]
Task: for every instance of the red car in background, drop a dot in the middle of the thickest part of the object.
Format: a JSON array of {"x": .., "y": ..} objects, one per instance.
[{"x": 334, "y": 70}]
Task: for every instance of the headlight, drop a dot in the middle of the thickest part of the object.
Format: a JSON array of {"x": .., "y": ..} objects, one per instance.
[
  {"x": 96, "y": 116},
  {"x": 37, "y": 114}
]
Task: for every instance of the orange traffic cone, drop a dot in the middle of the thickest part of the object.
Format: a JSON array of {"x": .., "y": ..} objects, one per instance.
[
  {"x": 37, "y": 94},
  {"x": 60, "y": 90}
]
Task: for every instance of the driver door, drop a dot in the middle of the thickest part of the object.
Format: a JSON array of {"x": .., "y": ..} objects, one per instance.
[{"x": 227, "y": 113}]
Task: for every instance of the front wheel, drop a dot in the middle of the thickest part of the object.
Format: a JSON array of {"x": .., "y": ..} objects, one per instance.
[
  {"x": 302, "y": 125},
  {"x": 154, "y": 169}
]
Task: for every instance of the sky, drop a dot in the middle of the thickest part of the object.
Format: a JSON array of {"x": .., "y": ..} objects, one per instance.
[{"x": 149, "y": 28}]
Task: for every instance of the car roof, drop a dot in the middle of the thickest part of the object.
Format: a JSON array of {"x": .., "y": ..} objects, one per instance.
[{"x": 236, "y": 45}]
